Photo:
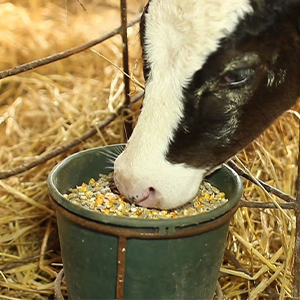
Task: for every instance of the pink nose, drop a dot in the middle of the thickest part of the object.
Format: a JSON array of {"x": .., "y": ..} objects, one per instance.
[
  {"x": 131, "y": 190},
  {"x": 139, "y": 196}
]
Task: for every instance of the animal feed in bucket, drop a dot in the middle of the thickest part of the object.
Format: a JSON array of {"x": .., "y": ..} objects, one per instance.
[{"x": 102, "y": 196}]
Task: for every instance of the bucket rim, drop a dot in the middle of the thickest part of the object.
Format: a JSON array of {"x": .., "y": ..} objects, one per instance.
[{"x": 161, "y": 224}]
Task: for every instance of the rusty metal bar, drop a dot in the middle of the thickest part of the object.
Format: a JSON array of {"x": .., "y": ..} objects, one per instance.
[
  {"x": 125, "y": 50},
  {"x": 125, "y": 233},
  {"x": 126, "y": 115},
  {"x": 143, "y": 234},
  {"x": 296, "y": 285},
  {"x": 121, "y": 268}
]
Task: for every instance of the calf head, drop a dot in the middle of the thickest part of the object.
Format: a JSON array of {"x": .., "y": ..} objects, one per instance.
[{"x": 217, "y": 74}]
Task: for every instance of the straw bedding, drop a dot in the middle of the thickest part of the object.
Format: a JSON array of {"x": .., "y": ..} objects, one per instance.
[{"x": 48, "y": 107}]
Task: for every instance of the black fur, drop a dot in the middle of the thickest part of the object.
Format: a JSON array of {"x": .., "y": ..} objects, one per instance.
[
  {"x": 272, "y": 33},
  {"x": 146, "y": 67}
]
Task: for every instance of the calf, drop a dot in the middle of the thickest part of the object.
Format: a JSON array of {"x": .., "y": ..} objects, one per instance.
[{"x": 218, "y": 73}]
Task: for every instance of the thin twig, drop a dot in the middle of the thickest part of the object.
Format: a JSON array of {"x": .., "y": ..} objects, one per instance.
[
  {"x": 268, "y": 187},
  {"x": 235, "y": 262},
  {"x": 265, "y": 191},
  {"x": 64, "y": 54},
  {"x": 134, "y": 80},
  {"x": 43, "y": 158},
  {"x": 44, "y": 245},
  {"x": 57, "y": 151},
  {"x": 219, "y": 292},
  {"x": 81, "y": 5},
  {"x": 57, "y": 285},
  {"x": 266, "y": 205}
]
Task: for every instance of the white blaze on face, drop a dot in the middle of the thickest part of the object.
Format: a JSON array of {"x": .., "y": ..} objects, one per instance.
[{"x": 179, "y": 36}]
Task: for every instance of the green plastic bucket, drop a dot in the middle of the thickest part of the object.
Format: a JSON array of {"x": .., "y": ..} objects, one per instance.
[{"x": 108, "y": 257}]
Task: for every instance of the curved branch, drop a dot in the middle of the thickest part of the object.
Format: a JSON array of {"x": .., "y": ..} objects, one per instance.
[
  {"x": 61, "y": 55},
  {"x": 64, "y": 148},
  {"x": 57, "y": 285},
  {"x": 268, "y": 187},
  {"x": 57, "y": 151}
]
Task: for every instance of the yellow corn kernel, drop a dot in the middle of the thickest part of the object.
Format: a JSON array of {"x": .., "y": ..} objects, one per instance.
[
  {"x": 82, "y": 187},
  {"x": 70, "y": 196},
  {"x": 92, "y": 180},
  {"x": 206, "y": 195},
  {"x": 99, "y": 202},
  {"x": 109, "y": 205},
  {"x": 200, "y": 199},
  {"x": 174, "y": 216},
  {"x": 221, "y": 195},
  {"x": 198, "y": 205},
  {"x": 99, "y": 199}
]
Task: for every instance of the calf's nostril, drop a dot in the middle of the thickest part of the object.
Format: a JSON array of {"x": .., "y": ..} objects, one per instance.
[
  {"x": 152, "y": 192},
  {"x": 140, "y": 196},
  {"x": 132, "y": 190}
]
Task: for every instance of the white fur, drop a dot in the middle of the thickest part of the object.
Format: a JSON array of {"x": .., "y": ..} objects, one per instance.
[{"x": 179, "y": 37}]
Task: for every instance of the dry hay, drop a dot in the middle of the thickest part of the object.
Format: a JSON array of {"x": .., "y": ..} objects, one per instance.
[
  {"x": 45, "y": 108},
  {"x": 262, "y": 240}
]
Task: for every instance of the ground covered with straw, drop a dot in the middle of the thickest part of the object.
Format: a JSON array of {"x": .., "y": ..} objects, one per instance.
[{"x": 50, "y": 106}]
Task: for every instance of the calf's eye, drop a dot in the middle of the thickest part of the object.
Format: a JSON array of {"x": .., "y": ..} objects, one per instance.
[{"x": 236, "y": 78}]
